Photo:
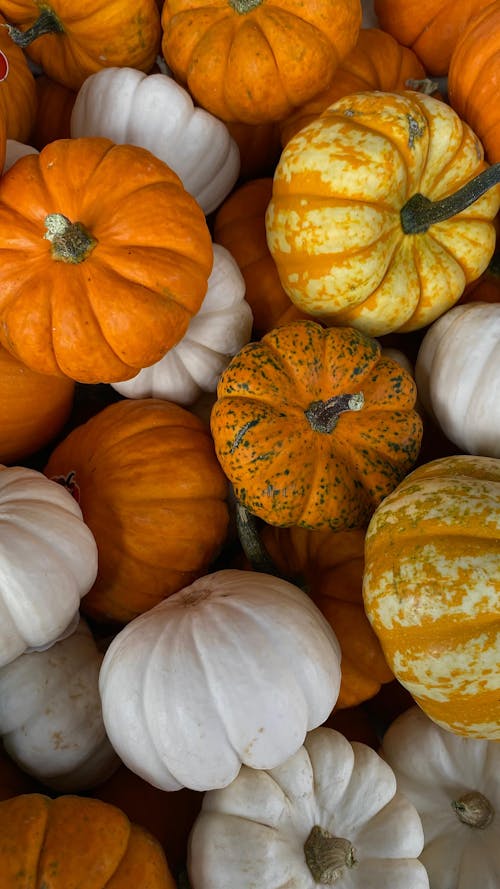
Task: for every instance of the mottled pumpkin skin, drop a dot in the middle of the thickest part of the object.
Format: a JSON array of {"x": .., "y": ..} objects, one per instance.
[
  {"x": 282, "y": 469},
  {"x": 72, "y": 842},
  {"x": 432, "y": 590}
]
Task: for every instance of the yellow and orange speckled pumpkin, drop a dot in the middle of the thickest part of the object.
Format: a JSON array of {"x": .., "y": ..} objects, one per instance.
[
  {"x": 314, "y": 427},
  {"x": 431, "y": 590}
]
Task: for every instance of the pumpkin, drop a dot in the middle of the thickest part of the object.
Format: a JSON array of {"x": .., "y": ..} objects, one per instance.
[
  {"x": 13, "y": 781},
  {"x": 314, "y": 427},
  {"x": 487, "y": 287},
  {"x": 376, "y": 62},
  {"x": 97, "y": 282},
  {"x": 73, "y": 841},
  {"x": 155, "y": 112},
  {"x": 363, "y": 222},
  {"x": 214, "y": 677},
  {"x": 219, "y": 329},
  {"x": 151, "y": 489},
  {"x": 259, "y": 146},
  {"x": 457, "y": 376},
  {"x": 253, "y": 61},
  {"x": 48, "y": 561},
  {"x": 453, "y": 784},
  {"x": 17, "y": 89},
  {"x": 70, "y": 43},
  {"x": 53, "y": 112},
  {"x": 431, "y": 587},
  {"x": 240, "y": 227},
  {"x": 431, "y": 28},
  {"x": 332, "y": 812},
  {"x": 474, "y": 72},
  {"x": 14, "y": 150},
  {"x": 50, "y": 714}
]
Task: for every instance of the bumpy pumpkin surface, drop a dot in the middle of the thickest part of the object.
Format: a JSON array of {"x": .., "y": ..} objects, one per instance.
[
  {"x": 314, "y": 427},
  {"x": 432, "y": 586},
  {"x": 335, "y": 226}
]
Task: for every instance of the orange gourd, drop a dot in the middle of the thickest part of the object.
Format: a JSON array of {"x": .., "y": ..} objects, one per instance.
[
  {"x": 97, "y": 282},
  {"x": 259, "y": 146},
  {"x": 255, "y": 60},
  {"x": 154, "y": 496},
  {"x": 73, "y": 841},
  {"x": 53, "y": 113},
  {"x": 17, "y": 89},
  {"x": 314, "y": 427}
]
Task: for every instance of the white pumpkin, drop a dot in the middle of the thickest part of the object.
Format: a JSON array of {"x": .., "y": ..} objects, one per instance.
[
  {"x": 453, "y": 781},
  {"x": 233, "y": 669},
  {"x": 51, "y": 717},
  {"x": 14, "y": 150},
  {"x": 458, "y": 376},
  {"x": 330, "y": 814},
  {"x": 155, "y": 112},
  {"x": 220, "y": 328},
  {"x": 48, "y": 561}
]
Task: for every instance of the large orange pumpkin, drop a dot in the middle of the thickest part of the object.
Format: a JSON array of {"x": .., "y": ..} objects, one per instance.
[
  {"x": 255, "y": 60},
  {"x": 149, "y": 486},
  {"x": 74, "y": 841},
  {"x": 314, "y": 427},
  {"x": 17, "y": 89},
  {"x": 104, "y": 258}
]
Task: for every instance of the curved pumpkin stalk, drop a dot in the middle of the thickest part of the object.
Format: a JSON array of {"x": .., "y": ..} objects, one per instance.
[
  {"x": 419, "y": 213},
  {"x": 251, "y": 543}
]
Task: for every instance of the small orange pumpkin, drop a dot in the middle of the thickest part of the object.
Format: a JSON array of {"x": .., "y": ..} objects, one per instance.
[
  {"x": 17, "y": 89},
  {"x": 53, "y": 114}
]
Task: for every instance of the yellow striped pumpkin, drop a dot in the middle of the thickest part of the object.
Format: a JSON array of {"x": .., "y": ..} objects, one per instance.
[{"x": 431, "y": 589}]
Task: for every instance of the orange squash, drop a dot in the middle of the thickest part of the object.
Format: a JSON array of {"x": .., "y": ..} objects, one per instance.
[
  {"x": 53, "y": 113},
  {"x": 255, "y": 60},
  {"x": 314, "y": 427},
  {"x": 154, "y": 496},
  {"x": 17, "y": 89},
  {"x": 487, "y": 287},
  {"x": 259, "y": 146},
  {"x": 97, "y": 282},
  {"x": 73, "y": 841}
]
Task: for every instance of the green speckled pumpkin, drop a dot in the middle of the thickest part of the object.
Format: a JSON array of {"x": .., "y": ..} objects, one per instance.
[{"x": 314, "y": 427}]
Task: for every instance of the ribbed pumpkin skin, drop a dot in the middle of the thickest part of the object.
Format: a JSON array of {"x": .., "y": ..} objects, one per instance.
[
  {"x": 17, "y": 89},
  {"x": 73, "y": 841},
  {"x": 283, "y": 470},
  {"x": 253, "y": 61},
  {"x": 149, "y": 486},
  {"x": 430, "y": 27},
  {"x": 334, "y": 222},
  {"x": 377, "y": 62},
  {"x": 53, "y": 111},
  {"x": 474, "y": 76},
  {"x": 432, "y": 586}
]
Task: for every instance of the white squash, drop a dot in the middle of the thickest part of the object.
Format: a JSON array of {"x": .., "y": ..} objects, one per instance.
[
  {"x": 14, "y": 150},
  {"x": 330, "y": 814},
  {"x": 220, "y": 328},
  {"x": 233, "y": 669},
  {"x": 453, "y": 782},
  {"x": 48, "y": 561},
  {"x": 51, "y": 716},
  {"x": 155, "y": 112}
]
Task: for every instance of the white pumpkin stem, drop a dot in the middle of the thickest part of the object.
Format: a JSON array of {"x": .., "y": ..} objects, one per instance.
[
  {"x": 474, "y": 809},
  {"x": 328, "y": 856},
  {"x": 46, "y": 23},
  {"x": 71, "y": 242},
  {"x": 323, "y": 416}
]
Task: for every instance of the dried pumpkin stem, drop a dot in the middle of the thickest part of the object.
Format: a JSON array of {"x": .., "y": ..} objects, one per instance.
[
  {"x": 251, "y": 542},
  {"x": 323, "y": 416},
  {"x": 423, "y": 85},
  {"x": 46, "y": 23},
  {"x": 328, "y": 856},
  {"x": 419, "y": 213},
  {"x": 244, "y": 6},
  {"x": 71, "y": 242},
  {"x": 473, "y": 809}
]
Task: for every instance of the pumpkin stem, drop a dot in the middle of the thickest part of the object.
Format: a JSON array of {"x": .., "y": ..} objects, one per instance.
[
  {"x": 323, "y": 416},
  {"x": 473, "y": 809},
  {"x": 244, "y": 6},
  {"x": 71, "y": 242},
  {"x": 251, "y": 543},
  {"x": 46, "y": 23},
  {"x": 328, "y": 856},
  {"x": 425, "y": 85},
  {"x": 419, "y": 213}
]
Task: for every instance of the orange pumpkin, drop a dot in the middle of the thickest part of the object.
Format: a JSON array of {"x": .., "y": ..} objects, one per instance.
[
  {"x": 150, "y": 489},
  {"x": 73, "y": 841},
  {"x": 97, "y": 282},
  {"x": 474, "y": 76},
  {"x": 377, "y": 62},
  {"x": 252, "y": 60},
  {"x": 33, "y": 408},
  {"x": 53, "y": 114},
  {"x": 259, "y": 146},
  {"x": 314, "y": 427},
  {"x": 430, "y": 27},
  {"x": 70, "y": 41},
  {"x": 17, "y": 89}
]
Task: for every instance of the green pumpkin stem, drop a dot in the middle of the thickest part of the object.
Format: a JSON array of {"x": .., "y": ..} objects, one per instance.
[
  {"x": 419, "y": 213},
  {"x": 46, "y": 23},
  {"x": 71, "y": 242},
  {"x": 251, "y": 543},
  {"x": 473, "y": 809},
  {"x": 323, "y": 416},
  {"x": 328, "y": 856},
  {"x": 244, "y": 6}
]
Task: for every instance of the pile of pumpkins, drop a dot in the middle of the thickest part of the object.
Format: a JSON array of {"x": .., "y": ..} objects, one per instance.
[{"x": 249, "y": 444}]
